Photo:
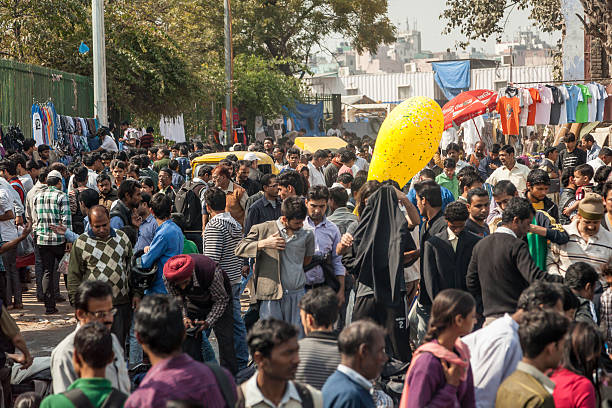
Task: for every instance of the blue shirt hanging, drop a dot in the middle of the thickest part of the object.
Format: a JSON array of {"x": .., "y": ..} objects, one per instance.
[{"x": 572, "y": 102}]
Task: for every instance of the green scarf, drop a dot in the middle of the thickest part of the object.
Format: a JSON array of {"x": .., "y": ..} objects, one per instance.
[{"x": 538, "y": 247}]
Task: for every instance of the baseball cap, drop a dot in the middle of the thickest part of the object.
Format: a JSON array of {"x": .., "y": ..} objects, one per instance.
[{"x": 55, "y": 173}]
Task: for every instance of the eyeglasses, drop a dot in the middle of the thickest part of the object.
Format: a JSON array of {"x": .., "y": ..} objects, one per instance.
[{"x": 102, "y": 314}]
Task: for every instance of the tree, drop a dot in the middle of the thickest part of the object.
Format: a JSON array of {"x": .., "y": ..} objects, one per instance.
[
  {"x": 482, "y": 19},
  {"x": 260, "y": 88},
  {"x": 147, "y": 72},
  {"x": 290, "y": 30},
  {"x": 598, "y": 23}
]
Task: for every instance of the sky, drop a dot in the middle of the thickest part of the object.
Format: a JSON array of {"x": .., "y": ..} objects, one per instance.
[{"x": 428, "y": 22}]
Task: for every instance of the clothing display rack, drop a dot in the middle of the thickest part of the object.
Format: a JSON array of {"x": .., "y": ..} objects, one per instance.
[
  {"x": 553, "y": 103},
  {"x": 69, "y": 136},
  {"x": 568, "y": 81}
]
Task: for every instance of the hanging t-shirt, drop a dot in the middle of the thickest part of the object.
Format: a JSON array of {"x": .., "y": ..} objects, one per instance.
[
  {"x": 555, "y": 108},
  {"x": 575, "y": 96},
  {"x": 535, "y": 97},
  {"x": 542, "y": 116},
  {"x": 563, "y": 111},
  {"x": 37, "y": 125},
  {"x": 582, "y": 111},
  {"x": 526, "y": 102},
  {"x": 509, "y": 109},
  {"x": 594, "y": 91},
  {"x": 601, "y": 102}
]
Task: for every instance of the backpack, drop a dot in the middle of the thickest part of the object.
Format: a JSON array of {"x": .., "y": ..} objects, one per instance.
[
  {"x": 78, "y": 218},
  {"x": 187, "y": 202},
  {"x": 227, "y": 390},
  {"x": 115, "y": 399}
]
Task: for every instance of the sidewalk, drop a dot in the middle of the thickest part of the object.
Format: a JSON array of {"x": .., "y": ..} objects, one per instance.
[{"x": 41, "y": 332}]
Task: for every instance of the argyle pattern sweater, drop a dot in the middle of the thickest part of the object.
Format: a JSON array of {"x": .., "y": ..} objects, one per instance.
[{"x": 106, "y": 260}]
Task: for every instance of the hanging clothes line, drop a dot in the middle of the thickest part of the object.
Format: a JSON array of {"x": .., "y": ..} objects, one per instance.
[
  {"x": 562, "y": 81},
  {"x": 553, "y": 103}
]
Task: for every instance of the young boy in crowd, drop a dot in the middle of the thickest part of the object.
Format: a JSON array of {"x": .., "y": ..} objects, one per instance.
[
  {"x": 448, "y": 178},
  {"x": 583, "y": 175},
  {"x": 567, "y": 200},
  {"x": 581, "y": 185}
]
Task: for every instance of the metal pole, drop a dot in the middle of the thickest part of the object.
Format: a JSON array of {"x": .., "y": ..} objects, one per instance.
[
  {"x": 229, "y": 116},
  {"x": 99, "y": 61}
]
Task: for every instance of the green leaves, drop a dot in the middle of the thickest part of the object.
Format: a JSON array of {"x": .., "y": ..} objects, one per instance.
[{"x": 167, "y": 56}]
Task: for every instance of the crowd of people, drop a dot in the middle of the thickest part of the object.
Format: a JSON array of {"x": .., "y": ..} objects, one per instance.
[{"x": 487, "y": 277}]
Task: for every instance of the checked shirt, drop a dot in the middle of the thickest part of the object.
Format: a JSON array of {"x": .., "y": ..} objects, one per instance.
[{"x": 52, "y": 208}]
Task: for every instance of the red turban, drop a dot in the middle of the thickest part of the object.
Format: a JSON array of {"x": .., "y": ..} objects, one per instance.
[{"x": 178, "y": 268}]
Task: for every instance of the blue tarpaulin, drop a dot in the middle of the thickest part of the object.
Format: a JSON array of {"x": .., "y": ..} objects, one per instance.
[
  {"x": 307, "y": 117},
  {"x": 453, "y": 77}
]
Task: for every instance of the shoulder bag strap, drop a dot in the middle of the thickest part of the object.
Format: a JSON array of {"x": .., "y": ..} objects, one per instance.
[
  {"x": 78, "y": 398},
  {"x": 115, "y": 399},
  {"x": 305, "y": 395},
  {"x": 224, "y": 384}
]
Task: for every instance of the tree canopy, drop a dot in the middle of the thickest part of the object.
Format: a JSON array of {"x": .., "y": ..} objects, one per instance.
[{"x": 164, "y": 56}]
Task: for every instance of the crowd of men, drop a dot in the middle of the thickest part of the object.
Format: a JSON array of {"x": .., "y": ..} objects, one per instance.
[{"x": 490, "y": 276}]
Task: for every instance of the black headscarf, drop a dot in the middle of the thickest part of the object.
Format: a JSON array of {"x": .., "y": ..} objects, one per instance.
[{"x": 379, "y": 244}]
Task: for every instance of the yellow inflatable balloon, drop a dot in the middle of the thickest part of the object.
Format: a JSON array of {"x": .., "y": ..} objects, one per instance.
[{"x": 407, "y": 140}]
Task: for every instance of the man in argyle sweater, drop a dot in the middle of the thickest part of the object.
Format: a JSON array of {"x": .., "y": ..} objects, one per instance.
[{"x": 104, "y": 253}]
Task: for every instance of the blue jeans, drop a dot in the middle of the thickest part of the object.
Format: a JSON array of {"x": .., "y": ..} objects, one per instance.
[
  {"x": 135, "y": 349},
  {"x": 240, "y": 344},
  {"x": 208, "y": 353}
]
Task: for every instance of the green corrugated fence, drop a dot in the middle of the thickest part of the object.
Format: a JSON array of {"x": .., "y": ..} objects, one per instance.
[{"x": 22, "y": 84}]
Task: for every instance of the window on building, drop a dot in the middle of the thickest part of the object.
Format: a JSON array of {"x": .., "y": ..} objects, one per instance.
[
  {"x": 352, "y": 91},
  {"x": 403, "y": 92},
  {"x": 499, "y": 85}
]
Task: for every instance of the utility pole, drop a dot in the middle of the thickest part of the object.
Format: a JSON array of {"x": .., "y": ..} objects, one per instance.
[
  {"x": 229, "y": 112},
  {"x": 99, "y": 61}
]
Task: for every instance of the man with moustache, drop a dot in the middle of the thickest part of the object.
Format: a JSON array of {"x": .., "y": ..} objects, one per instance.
[{"x": 588, "y": 242}]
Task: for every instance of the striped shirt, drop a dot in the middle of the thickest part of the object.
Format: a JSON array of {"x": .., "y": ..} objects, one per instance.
[
  {"x": 596, "y": 251},
  {"x": 319, "y": 358},
  {"x": 52, "y": 208},
  {"x": 221, "y": 235}
]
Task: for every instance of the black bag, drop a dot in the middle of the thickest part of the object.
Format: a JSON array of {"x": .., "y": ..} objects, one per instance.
[
  {"x": 192, "y": 345},
  {"x": 78, "y": 218},
  {"x": 187, "y": 202},
  {"x": 324, "y": 261}
]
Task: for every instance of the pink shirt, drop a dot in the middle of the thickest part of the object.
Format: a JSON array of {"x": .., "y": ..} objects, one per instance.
[{"x": 572, "y": 390}]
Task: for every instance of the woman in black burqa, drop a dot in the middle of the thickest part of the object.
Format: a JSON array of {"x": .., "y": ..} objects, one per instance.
[{"x": 376, "y": 259}]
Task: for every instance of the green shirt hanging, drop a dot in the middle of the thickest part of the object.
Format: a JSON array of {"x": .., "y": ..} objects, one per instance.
[{"x": 582, "y": 111}]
